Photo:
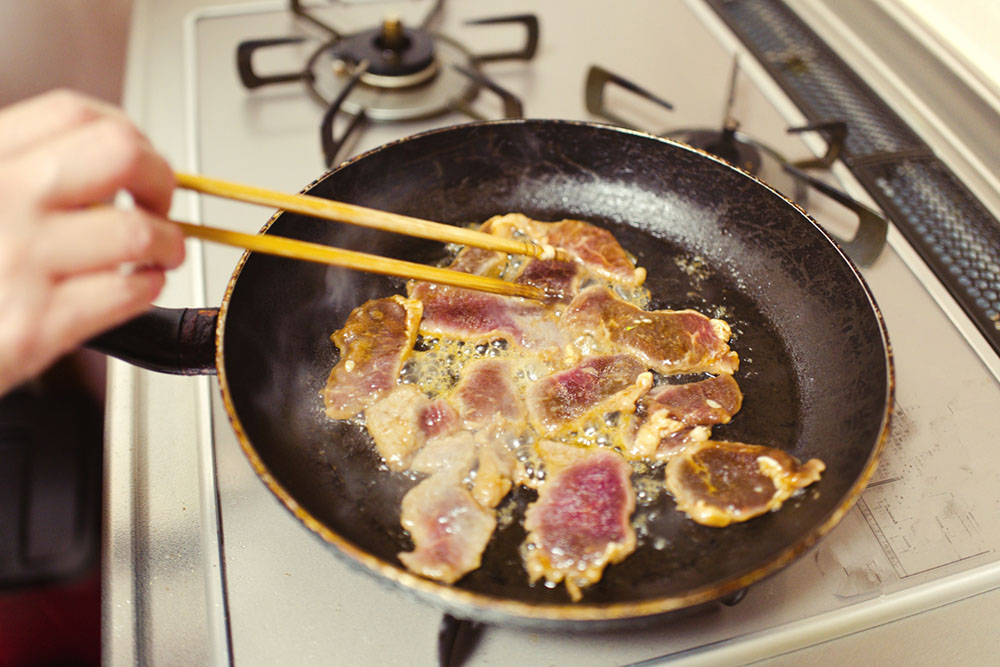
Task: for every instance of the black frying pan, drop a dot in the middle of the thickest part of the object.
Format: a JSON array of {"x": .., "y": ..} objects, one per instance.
[{"x": 816, "y": 368}]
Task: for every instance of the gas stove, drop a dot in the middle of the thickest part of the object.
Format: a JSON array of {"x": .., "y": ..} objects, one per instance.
[{"x": 204, "y": 566}]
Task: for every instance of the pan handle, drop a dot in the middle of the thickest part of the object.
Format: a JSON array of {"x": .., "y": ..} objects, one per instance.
[{"x": 179, "y": 341}]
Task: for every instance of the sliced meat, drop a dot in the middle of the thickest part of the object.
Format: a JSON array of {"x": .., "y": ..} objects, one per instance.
[
  {"x": 515, "y": 225},
  {"x": 718, "y": 483},
  {"x": 486, "y": 393},
  {"x": 580, "y": 522},
  {"x": 559, "y": 280},
  {"x": 564, "y": 401},
  {"x": 478, "y": 317},
  {"x": 597, "y": 248},
  {"x": 496, "y": 469},
  {"x": 678, "y": 414},
  {"x": 449, "y": 528},
  {"x": 670, "y": 342},
  {"x": 592, "y": 246},
  {"x": 455, "y": 453},
  {"x": 711, "y": 401},
  {"x": 671, "y": 437},
  {"x": 479, "y": 261},
  {"x": 404, "y": 420},
  {"x": 375, "y": 341}
]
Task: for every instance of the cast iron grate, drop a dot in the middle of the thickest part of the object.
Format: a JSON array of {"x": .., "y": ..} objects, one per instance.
[{"x": 951, "y": 229}]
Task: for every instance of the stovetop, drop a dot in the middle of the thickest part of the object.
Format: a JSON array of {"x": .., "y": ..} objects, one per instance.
[{"x": 204, "y": 565}]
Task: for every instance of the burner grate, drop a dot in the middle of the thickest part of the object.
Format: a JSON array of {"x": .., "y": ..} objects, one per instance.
[
  {"x": 389, "y": 73},
  {"x": 951, "y": 229},
  {"x": 760, "y": 160}
]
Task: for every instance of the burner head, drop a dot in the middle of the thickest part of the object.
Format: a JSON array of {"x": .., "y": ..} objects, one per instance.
[
  {"x": 748, "y": 154},
  {"x": 397, "y": 56},
  {"x": 408, "y": 92},
  {"x": 726, "y": 143}
]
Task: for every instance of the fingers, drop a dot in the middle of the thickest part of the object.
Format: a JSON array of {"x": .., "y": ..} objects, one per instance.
[
  {"x": 72, "y": 151},
  {"x": 25, "y": 124},
  {"x": 90, "y": 163},
  {"x": 101, "y": 238},
  {"x": 60, "y": 257}
]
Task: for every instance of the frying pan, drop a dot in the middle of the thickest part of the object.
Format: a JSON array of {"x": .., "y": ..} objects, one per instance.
[{"x": 816, "y": 365}]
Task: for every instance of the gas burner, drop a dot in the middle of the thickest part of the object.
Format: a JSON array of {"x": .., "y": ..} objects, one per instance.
[
  {"x": 732, "y": 146},
  {"x": 393, "y": 72},
  {"x": 746, "y": 153},
  {"x": 396, "y": 57},
  {"x": 425, "y": 79},
  {"x": 728, "y": 142},
  {"x": 758, "y": 159}
]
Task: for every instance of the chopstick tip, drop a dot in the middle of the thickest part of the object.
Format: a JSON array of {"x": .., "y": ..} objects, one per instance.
[
  {"x": 531, "y": 292},
  {"x": 561, "y": 255},
  {"x": 545, "y": 251}
]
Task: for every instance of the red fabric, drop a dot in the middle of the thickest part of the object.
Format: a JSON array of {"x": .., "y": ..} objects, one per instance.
[{"x": 57, "y": 624}]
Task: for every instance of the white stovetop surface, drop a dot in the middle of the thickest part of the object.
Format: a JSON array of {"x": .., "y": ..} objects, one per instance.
[{"x": 910, "y": 575}]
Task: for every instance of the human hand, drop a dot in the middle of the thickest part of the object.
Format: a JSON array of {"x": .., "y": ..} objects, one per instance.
[{"x": 71, "y": 267}]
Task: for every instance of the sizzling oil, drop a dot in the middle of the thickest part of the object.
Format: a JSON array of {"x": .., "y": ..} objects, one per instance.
[{"x": 437, "y": 363}]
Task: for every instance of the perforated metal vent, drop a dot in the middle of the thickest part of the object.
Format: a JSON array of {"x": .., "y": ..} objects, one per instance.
[
  {"x": 965, "y": 244},
  {"x": 954, "y": 233}
]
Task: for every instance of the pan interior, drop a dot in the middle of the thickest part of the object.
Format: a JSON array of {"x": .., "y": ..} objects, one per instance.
[{"x": 814, "y": 365}]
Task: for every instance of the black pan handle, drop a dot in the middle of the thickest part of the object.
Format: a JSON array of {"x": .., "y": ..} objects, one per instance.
[{"x": 179, "y": 341}]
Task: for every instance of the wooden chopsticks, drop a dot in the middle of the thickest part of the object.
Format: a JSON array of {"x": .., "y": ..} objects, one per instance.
[
  {"x": 323, "y": 208},
  {"x": 314, "y": 252},
  {"x": 319, "y": 207}
]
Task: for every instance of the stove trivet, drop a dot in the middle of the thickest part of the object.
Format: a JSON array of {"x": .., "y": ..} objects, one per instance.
[
  {"x": 391, "y": 72},
  {"x": 728, "y": 142},
  {"x": 759, "y": 159}
]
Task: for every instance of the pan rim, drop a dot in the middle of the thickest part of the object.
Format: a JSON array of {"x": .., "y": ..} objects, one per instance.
[{"x": 462, "y": 602}]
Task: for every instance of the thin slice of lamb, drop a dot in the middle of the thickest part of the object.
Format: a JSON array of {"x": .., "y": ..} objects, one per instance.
[
  {"x": 488, "y": 452},
  {"x": 566, "y": 400},
  {"x": 679, "y": 414},
  {"x": 559, "y": 280},
  {"x": 479, "y": 317},
  {"x": 449, "y": 528},
  {"x": 479, "y": 261},
  {"x": 489, "y": 404},
  {"x": 597, "y": 248},
  {"x": 580, "y": 522},
  {"x": 717, "y": 483},
  {"x": 404, "y": 420},
  {"x": 375, "y": 341},
  {"x": 592, "y": 246},
  {"x": 485, "y": 393},
  {"x": 496, "y": 464},
  {"x": 668, "y": 341},
  {"x": 456, "y": 453},
  {"x": 515, "y": 225}
]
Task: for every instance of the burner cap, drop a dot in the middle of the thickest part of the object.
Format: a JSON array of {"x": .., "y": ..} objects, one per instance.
[{"x": 397, "y": 56}]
